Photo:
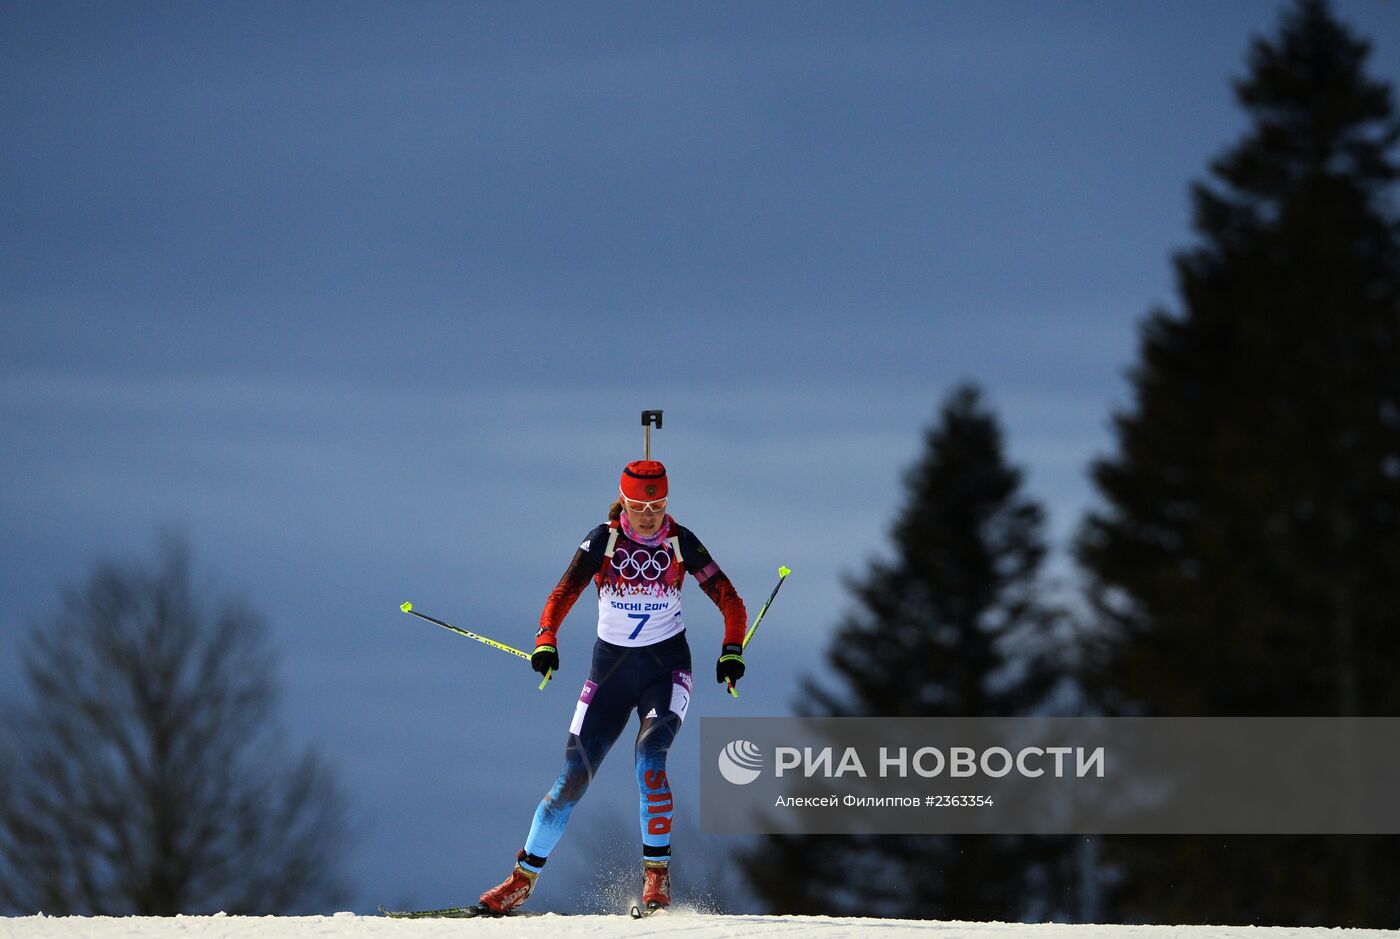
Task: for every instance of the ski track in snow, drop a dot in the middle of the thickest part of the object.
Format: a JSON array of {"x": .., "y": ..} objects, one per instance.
[{"x": 691, "y": 925}]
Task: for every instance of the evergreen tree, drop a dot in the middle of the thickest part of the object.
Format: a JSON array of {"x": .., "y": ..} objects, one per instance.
[
  {"x": 1245, "y": 557},
  {"x": 950, "y": 626}
]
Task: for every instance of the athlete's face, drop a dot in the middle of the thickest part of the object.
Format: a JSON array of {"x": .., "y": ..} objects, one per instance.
[{"x": 644, "y": 517}]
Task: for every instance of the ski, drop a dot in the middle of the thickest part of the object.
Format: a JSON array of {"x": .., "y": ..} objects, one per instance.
[
  {"x": 641, "y": 912},
  {"x": 453, "y": 912}
]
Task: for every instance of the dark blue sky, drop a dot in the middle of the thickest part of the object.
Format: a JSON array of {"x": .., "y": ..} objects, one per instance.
[{"x": 366, "y": 298}]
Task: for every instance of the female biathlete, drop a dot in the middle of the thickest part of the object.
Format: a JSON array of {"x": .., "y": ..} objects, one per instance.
[{"x": 641, "y": 662}]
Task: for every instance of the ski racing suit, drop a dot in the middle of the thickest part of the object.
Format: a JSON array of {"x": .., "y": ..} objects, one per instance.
[{"x": 641, "y": 663}]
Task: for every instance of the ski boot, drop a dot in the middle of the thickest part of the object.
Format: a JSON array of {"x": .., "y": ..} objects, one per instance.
[
  {"x": 513, "y": 891},
  {"x": 656, "y": 885}
]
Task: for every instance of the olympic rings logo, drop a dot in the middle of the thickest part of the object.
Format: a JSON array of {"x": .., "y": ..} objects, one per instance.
[{"x": 641, "y": 564}]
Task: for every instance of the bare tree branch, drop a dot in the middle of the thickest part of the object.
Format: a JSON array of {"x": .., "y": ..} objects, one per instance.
[{"x": 145, "y": 774}]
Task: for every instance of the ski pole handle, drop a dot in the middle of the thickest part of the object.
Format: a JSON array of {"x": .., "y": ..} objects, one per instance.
[
  {"x": 783, "y": 572},
  {"x": 407, "y": 607}
]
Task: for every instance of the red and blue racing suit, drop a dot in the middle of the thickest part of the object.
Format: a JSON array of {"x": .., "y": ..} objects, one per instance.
[{"x": 641, "y": 663}]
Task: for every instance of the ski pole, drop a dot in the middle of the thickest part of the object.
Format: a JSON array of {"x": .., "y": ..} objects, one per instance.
[
  {"x": 783, "y": 572},
  {"x": 408, "y": 608}
]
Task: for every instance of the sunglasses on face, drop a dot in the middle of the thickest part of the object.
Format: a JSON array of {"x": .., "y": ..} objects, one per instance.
[{"x": 655, "y": 505}]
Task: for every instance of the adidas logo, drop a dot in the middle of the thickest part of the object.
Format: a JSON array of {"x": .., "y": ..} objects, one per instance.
[{"x": 651, "y": 713}]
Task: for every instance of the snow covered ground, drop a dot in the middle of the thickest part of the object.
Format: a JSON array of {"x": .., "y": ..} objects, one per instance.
[{"x": 693, "y": 925}]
